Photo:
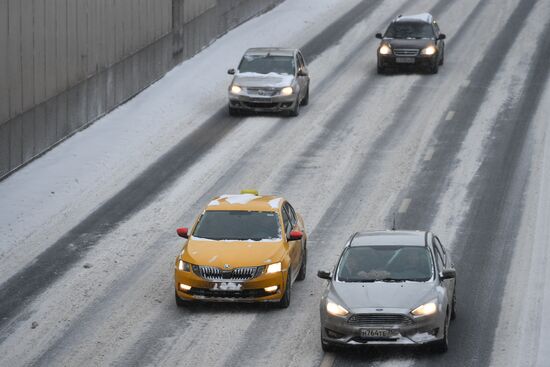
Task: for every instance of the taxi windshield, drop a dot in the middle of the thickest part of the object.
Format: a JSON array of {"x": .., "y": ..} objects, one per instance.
[
  {"x": 411, "y": 30},
  {"x": 265, "y": 64},
  {"x": 238, "y": 225},
  {"x": 385, "y": 263}
]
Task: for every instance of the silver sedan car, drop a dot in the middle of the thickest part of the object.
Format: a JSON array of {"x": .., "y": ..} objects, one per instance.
[
  {"x": 391, "y": 288},
  {"x": 269, "y": 80}
]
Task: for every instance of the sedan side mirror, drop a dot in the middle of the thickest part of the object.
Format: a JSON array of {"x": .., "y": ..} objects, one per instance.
[
  {"x": 378, "y": 35},
  {"x": 295, "y": 235},
  {"x": 324, "y": 274},
  {"x": 442, "y": 36},
  {"x": 231, "y": 71},
  {"x": 302, "y": 72},
  {"x": 447, "y": 274},
  {"x": 183, "y": 232}
]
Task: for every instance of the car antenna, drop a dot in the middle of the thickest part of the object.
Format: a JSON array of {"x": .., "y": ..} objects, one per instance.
[{"x": 393, "y": 226}]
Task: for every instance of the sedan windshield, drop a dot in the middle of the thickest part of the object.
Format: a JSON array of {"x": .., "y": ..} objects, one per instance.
[
  {"x": 409, "y": 30},
  {"x": 238, "y": 225},
  {"x": 385, "y": 263},
  {"x": 265, "y": 64}
]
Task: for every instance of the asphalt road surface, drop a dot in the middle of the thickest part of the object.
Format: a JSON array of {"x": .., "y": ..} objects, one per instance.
[{"x": 86, "y": 267}]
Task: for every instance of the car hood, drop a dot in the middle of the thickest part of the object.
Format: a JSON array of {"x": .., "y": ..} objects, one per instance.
[
  {"x": 409, "y": 43},
  {"x": 383, "y": 294},
  {"x": 273, "y": 80},
  {"x": 233, "y": 253}
]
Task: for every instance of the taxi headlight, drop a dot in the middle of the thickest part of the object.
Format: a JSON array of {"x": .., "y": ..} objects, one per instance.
[
  {"x": 430, "y": 50},
  {"x": 425, "y": 309},
  {"x": 235, "y": 89},
  {"x": 335, "y": 309},
  {"x": 286, "y": 91},
  {"x": 274, "y": 268},
  {"x": 183, "y": 266},
  {"x": 384, "y": 50}
]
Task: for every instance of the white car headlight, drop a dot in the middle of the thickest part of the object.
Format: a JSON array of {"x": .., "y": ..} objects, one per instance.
[
  {"x": 425, "y": 309},
  {"x": 274, "y": 268},
  {"x": 286, "y": 91},
  {"x": 430, "y": 50},
  {"x": 384, "y": 50},
  {"x": 335, "y": 309},
  {"x": 235, "y": 89}
]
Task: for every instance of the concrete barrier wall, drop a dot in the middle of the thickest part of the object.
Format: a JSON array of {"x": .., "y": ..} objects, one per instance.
[{"x": 65, "y": 63}]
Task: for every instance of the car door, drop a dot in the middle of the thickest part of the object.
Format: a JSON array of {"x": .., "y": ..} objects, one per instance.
[
  {"x": 443, "y": 263},
  {"x": 303, "y": 80},
  {"x": 294, "y": 247}
]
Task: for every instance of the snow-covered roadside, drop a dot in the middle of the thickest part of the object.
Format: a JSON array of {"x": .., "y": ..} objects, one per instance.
[{"x": 47, "y": 197}]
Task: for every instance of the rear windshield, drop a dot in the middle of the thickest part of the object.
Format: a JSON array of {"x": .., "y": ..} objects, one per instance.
[
  {"x": 238, "y": 225},
  {"x": 385, "y": 263},
  {"x": 265, "y": 64},
  {"x": 410, "y": 30}
]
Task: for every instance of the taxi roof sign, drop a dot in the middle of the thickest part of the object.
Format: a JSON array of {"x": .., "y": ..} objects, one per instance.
[{"x": 253, "y": 192}]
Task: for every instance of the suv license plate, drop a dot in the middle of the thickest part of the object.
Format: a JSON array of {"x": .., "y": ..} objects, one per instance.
[
  {"x": 375, "y": 333},
  {"x": 404, "y": 60}
]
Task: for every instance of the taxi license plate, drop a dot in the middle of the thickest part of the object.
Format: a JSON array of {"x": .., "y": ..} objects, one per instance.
[
  {"x": 375, "y": 333},
  {"x": 404, "y": 60}
]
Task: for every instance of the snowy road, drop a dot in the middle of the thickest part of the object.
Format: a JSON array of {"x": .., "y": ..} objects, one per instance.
[{"x": 87, "y": 231}]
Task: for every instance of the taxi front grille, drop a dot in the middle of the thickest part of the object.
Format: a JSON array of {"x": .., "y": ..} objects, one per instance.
[
  {"x": 245, "y": 293},
  {"x": 237, "y": 274},
  {"x": 369, "y": 319}
]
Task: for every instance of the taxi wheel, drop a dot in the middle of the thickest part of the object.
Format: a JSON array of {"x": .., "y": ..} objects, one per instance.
[
  {"x": 179, "y": 301},
  {"x": 285, "y": 301},
  {"x": 303, "y": 267}
]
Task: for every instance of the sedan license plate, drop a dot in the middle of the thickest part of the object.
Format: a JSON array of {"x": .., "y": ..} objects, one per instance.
[
  {"x": 404, "y": 60},
  {"x": 375, "y": 333},
  {"x": 261, "y": 100}
]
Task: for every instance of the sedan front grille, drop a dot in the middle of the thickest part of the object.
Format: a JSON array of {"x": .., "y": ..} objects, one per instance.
[
  {"x": 406, "y": 52},
  {"x": 264, "y": 92},
  {"x": 237, "y": 274},
  {"x": 375, "y": 319}
]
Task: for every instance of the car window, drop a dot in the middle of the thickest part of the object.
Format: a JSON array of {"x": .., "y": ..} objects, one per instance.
[
  {"x": 439, "y": 259},
  {"x": 286, "y": 221},
  {"x": 409, "y": 30},
  {"x": 291, "y": 214},
  {"x": 301, "y": 62},
  {"x": 385, "y": 263},
  {"x": 265, "y": 64},
  {"x": 238, "y": 225},
  {"x": 441, "y": 250},
  {"x": 436, "y": 28}
]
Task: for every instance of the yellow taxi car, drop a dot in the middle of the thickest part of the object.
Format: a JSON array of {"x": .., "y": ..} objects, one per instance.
[{"x": 245, "y": 248}]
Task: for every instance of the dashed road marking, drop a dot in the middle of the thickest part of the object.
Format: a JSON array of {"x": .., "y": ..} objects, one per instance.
[
  {"x": 404, "y": 206},
  {"x": 328, "y": 360},
  {"x": 450, "y": 115},
  {"x": 429, "y": 154}
]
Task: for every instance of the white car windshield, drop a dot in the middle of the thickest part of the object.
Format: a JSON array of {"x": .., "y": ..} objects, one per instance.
[{"x": 265, "y": 64}]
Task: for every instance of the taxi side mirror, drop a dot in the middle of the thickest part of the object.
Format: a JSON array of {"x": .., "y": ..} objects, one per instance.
[
  {"x": 183, "y": 232},
  {"x": 295, "y": 235}
]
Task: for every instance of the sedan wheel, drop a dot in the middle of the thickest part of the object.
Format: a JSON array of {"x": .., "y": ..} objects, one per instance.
[
  {"x": 234, "y": 111},
  {"x": 305, "y": 101},
  {"x": 441, "y": 346},
  {"x": 453, "y": 310},
  {"x": 296, "y": 110}
]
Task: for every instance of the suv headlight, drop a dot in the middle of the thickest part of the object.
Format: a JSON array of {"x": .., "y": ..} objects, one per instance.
[
  {"x": 274, "y": 268},
  {"x": 384, "y": 50},
  {"x": 335, "y": 309},
  {"x": 286, "y": 91},
  {"x": 183, "y": 266},
  {"x": 235, "y": 89},
  {"x": 430, "y": 50},
  {"x": 425, "y": 309}
]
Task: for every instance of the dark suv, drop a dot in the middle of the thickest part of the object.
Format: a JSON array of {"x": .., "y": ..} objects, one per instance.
[{"x": 413, "y": 40}]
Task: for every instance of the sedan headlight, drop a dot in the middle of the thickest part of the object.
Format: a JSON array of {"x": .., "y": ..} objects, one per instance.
[
  {"x": 430, "y": 50},
  {"x": 286, "y": 91},
  {"x": 235, "y": 89},
  {"x": 183, "y": 266},
  {"x": 335, "y": 309},
  {"x": 274, "y": 268},
  {"x": 426, "y": 309},
  {"x": 384, "y": 50}
]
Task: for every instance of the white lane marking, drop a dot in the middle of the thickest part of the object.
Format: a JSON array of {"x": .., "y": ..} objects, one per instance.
[
  {"x": 328, "y": 360},
  {"x": 429, "y": 154},
  {"x": 404, "y": 206},
  {"x": 450, "y": 115}
]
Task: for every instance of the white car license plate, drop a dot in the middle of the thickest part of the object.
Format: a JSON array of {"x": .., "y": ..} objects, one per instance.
[
  {"x": 375, "y": 333},
  {"x": 404, "y": 60}
]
